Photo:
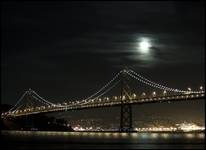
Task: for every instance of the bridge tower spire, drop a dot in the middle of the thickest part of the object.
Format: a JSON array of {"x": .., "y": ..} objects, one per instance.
[{"x": 126, "y": 109}]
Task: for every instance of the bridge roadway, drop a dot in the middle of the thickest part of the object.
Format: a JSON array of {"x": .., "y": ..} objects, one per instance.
[{"x": 109, "y": 103}]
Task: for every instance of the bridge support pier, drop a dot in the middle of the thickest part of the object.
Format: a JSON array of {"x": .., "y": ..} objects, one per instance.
[{"x": 126, "y": 118}]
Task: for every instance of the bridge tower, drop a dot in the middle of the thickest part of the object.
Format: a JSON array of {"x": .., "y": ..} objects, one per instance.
[
  {"x": 126, "y": 109},
  {"x": 29, "y": 122}
]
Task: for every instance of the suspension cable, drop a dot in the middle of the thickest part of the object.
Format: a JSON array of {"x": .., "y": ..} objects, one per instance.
[
  {"x": 103, "y": 92},
  {"x": 42, "y": 98},
  {"x": 147, "y": 82},
  {"x": 104, "y": 86},
  {"x": 164, "y": 87},
  {"x": 160, "y": 86},
  {"x": 90, "y": 100},
  {"x": 20, "y": 99}
]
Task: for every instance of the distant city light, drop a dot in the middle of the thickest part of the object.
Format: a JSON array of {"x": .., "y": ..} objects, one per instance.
[{"x": 190, "y": 127}]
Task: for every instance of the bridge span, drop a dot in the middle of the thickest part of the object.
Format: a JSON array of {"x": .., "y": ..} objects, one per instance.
[{"x": 27, "y": 104}]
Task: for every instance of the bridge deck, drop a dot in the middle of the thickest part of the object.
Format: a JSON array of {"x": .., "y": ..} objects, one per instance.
[{"x": 107, "y": 103}]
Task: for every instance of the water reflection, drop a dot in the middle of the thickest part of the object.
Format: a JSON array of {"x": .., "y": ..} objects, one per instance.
[
  {"x": 107, "y": 139},
  {"x": 144, "y": 135},
  {"x": 189, "y": 135},
  {"x": 134, "y": 135},
  {"x": 116, "y": 135},
  {"x": 201, "y": 135},
  {"x": 107, "y": 134},
  {"x": 154, "y": 135},
  {"x": 165, "y": 135}
]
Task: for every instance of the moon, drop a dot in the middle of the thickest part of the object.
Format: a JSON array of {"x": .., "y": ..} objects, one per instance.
[{"x": 144, "y": 46}]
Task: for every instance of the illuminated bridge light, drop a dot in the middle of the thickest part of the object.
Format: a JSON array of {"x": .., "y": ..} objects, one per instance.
[
  {"x": 134, "y": 95},
  {"x": 164, "y": 92},
  {"x": 154, "y": 93},
  {"x": 143, "y": 94},
  {"x": 189, "y": 90}
]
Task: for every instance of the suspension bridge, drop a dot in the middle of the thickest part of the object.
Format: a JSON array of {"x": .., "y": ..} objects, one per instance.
[{"x": 31, "y": 103}]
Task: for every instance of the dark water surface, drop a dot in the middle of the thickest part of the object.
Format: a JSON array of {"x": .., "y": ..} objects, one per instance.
[{"x": 101, "y": 140}]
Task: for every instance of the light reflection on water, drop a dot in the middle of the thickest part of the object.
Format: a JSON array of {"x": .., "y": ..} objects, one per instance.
[
  {"x": 165, "y": 135},
  {"x": 108, "y": 134},
  {"x": 106, "y": 140},
  {"x": 154, "y": 135},
  {"x": 201, "y": 135}
]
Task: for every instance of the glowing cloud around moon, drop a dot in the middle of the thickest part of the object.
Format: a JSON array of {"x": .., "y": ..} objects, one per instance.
[{"x": 144, "y": 46}]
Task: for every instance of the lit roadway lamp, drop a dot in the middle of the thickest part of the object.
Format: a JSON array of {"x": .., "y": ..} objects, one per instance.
[
  {"x": 201, "y": 88},
  {"x": 189, "y": 90},
  {"x": 154, "y": 93},
  {"x": 134, "y": 95},
  {"x": 165, "y": 92},
  {"x": 143, "y": 94}
]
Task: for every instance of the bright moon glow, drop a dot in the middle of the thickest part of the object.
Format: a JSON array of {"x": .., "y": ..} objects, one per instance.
[{"x": 144, "y": 46}]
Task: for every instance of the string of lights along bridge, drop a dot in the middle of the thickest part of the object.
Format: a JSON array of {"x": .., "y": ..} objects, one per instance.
[{"x": 32, "y": 103}]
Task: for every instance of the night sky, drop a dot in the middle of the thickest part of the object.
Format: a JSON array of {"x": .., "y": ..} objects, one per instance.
[{"x": 68, "y": 50}]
